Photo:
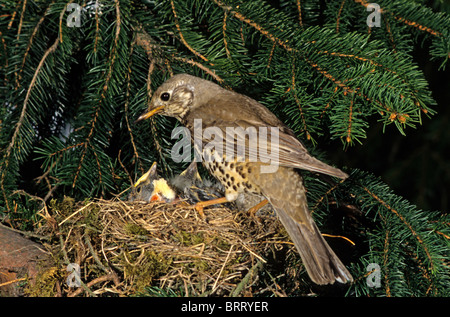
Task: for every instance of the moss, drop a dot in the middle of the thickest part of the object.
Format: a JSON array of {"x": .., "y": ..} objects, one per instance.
[
  {"x": 201, "y": 265},
  {"x": 45, "y": 283},
  {"x": 91, "y": 218},
  {"x": 146, "y": 269},
  {"x": 62, "y": 208},
  {"x": 133, "y": 229},
  {"x": 188, "y": 238},
  {"x": 221, "y": 243},
  {"x": 66, "y": 207}
]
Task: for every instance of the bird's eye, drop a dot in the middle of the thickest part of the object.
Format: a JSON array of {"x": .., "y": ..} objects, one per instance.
[{"x": 165, "y": 96}]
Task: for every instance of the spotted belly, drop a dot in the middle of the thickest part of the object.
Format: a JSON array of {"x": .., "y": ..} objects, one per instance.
[{"x": 232, "y": 174}]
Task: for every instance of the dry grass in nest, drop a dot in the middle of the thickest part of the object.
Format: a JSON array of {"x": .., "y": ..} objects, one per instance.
[{"x": 125, "y": 248}]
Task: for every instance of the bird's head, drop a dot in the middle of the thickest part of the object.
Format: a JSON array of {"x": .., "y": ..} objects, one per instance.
[
  {"x": 188, "y": 178},
  {"x": 150, "y": 187},
  {"x": 147, "y": 178},
  {"x": 173, "y": 98}
]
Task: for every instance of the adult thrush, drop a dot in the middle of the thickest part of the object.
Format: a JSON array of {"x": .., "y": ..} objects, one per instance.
[{"x": 228, "y": 122}]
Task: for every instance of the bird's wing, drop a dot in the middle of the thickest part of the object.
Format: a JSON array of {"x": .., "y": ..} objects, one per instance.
[
  {"x": 262, "y": 136},
  {"x": 274, "y": 146}
]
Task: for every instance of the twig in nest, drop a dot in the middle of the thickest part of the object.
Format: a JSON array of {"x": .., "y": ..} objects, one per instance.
[
  {"x": 104, "y": 278},
  {"x": 66, "y": 258},
  {"x": 242, "y": 284},
  {"x": 13, "y": 281},
  {"x": 76, "y": 212},
  {"x": 221, "y": 270},
  {"x": 100, "y": 264},
  {"x": 27, "y": 233}
]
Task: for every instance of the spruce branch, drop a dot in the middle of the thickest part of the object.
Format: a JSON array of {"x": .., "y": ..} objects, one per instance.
[
  {"x": 111, "y": 60},
  {"x": 18, "y": 127}
]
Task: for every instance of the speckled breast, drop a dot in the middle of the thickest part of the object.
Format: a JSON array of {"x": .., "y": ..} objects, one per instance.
[{"x": 233, "y": 174}]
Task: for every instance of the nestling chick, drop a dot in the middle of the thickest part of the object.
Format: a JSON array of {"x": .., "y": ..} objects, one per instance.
[
  {"x": 150, "y": 187},
  {"x": 192, "y": 188}
]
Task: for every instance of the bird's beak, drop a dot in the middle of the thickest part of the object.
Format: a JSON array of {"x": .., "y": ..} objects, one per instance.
[
  {"x": 149, "y": 113},
  {"x": 146, "y": 176},
  {"x": 192, "y": 172}
]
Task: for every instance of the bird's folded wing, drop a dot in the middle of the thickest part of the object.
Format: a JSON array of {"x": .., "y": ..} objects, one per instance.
[
  {"x": 264, "y": 137},
  {"x": 271, "y": 145}
]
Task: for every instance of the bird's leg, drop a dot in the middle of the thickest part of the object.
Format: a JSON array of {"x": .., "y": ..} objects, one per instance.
[
  {"x": 252, "y": 211},
  {"x": 202, "y": 204}
]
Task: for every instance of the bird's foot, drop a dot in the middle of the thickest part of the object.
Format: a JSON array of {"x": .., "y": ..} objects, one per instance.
[
  {"x": 199, "y": 209},
  {"x": 202, "y": 204},
  {"x": 252, "y": 211}
]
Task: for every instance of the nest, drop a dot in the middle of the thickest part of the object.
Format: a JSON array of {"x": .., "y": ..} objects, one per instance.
[{"x": 125, "y": 249}]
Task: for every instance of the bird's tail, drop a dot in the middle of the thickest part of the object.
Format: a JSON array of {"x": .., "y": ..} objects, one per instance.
[
  {"x": 321, "y": 263},
  {"x": 286, "y": 193}
]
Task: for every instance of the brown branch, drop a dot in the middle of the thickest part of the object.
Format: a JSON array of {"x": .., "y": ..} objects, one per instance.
[
  {"x": 202, "y": 67},
  {"x": 349, "y": 129},
  {"x": 151, "y": 67},
  {"x": 320, "y": 200},
  {"x": 404, "y": 20},
  {"x": 127, "y": 102},
  {"x": 271, "y": 55},
  {"x": 299, "y": 9},
  {"x": 97, "y": 28},
  {"x": 224, "y": 31},
  {"x": 443, "y": 234},
  {"x": 255, "y": 25},
  {"x": 339, "y": 16},
  {"x": 391, "y": 36},
  {"x": 30, "y": 41},
  {"x": 418, "y": 26},
  {"x": 124, "y": 168},
  {"x": 61, "y": 19},
  {"x": 104, "y": 278},
  {"x": 13, "y": 16},
  {"x": 385, "y": 262},
  {"x": 19, "y": 29},
  {"x": 177, "y": 25}
]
